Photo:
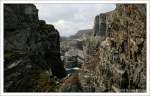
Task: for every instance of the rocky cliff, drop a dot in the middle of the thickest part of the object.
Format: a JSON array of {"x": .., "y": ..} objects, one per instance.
[
  {"x": 116, "y": 53},
  {"x": 30, "y": 47},
  {"x": 72, "y": 53},
  {"x": 82, "y": 33},
  {"x": 112, "y": 58}
]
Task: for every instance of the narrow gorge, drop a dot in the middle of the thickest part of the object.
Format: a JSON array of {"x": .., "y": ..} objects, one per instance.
[{"x": 110, "y": 57}]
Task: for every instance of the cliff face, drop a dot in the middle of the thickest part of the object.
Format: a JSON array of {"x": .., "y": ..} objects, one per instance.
[
  {"x": 120, "y": 61},
  {"x": 117, "y": 61},
  {"x": 112, "y": 59},
  {"x": 72, "y": 50},
  {"x": 30, "y": 47},
  {"x": 100, "y": 25}
]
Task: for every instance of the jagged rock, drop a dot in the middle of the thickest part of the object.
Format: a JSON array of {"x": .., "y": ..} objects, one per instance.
[
  {"x": 100, "y": 25},
  {"x": 30, "y": 47},
  {"x": 125, "y": 40},
  {"x": 119, "y": 60},
  {"x": 72, "y": 50},
  {"x": 82, "y": 34}
]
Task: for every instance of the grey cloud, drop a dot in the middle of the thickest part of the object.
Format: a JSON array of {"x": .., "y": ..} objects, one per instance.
[{"x": 69, "y": 18}]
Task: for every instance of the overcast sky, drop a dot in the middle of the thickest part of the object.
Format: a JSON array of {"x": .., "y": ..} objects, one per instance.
[{"x": 69, "y": 18}]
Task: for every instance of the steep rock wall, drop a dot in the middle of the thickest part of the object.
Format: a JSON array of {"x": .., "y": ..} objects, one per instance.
[
  {"x": 120, "y": 61},
  {"x": 30, "y": 47},
  {"x": 117, "y": 62},
  {"x": 100, "y": 25}
]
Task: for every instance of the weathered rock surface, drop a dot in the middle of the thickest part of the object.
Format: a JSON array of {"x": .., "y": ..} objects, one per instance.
[
  {"x": 100, "y": 25},
  {"x": 113, "y": 59},
  {"x": 30, "y": 47},
  {"x": 72, "y": 50},
  {"x": 116, "y": 54}
]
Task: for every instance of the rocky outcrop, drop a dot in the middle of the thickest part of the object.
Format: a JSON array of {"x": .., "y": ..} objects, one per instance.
[
  {"x": 120, "y": 61},
  {"x": 30, "y": 47},
  {"x": 100, "y": 25},
  {"x": 117, "y": 52},
  {"x": 72, "y": 51},
  {"x": 82, "y": 34}
]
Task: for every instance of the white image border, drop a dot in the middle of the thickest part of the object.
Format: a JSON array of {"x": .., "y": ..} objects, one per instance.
[{"x": 2, "y": 93}]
